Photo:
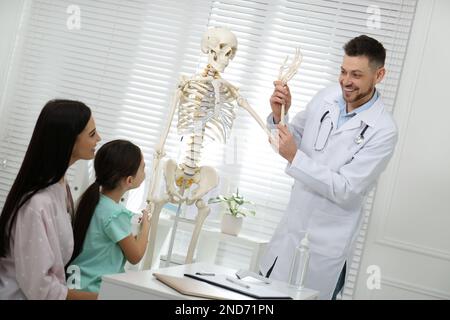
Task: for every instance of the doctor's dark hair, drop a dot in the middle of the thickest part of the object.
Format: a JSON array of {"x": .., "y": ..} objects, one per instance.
[
  {"x": 46, "y": 159},
  {"x": 368, "y": 47},
  {"x": 114, "y": 161}
]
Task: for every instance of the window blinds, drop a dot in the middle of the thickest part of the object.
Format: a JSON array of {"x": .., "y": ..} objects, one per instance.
[
  {"x": 267, "y": 32},
  {"x": 127, "y": 57}
]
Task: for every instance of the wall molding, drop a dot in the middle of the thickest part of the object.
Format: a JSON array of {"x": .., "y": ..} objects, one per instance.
[
  {"x": 414, "y": 248},
  {"x": 404, "y": 107},
  {"x": 407, "y": 286}
]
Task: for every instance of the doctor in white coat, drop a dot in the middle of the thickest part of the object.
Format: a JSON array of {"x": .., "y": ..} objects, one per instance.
[{"x": 336, "y": 149}]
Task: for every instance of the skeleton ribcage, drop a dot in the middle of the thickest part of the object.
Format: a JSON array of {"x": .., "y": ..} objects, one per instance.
[{"x": 198, "y": 112}]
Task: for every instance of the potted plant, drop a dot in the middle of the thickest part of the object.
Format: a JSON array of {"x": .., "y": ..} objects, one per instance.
[{"x": 232, "y": 220}]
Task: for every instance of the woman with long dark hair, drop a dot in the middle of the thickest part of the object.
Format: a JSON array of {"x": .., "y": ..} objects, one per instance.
[
  {"x": 102, "y": 227},
  {"x": 36, "y": 239}
]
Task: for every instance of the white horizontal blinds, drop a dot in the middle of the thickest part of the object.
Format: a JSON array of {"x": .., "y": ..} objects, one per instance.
[
  {"x": 15, "y": 131},
  {"x": 247, "y": 152},
  {"x": 124, "y": 62},
  {"x": 393, "y": 31},
  {"x": 89, "y": 64},
  {"x": 321, "y": 28},
  {"x": 267, "y": 31},
  {"x": 168, "y": 46}
]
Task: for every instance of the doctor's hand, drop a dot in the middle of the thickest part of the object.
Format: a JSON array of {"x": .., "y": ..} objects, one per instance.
[
  {"x": 287, "y": 147},
  {"x": 281, "y": 95}
]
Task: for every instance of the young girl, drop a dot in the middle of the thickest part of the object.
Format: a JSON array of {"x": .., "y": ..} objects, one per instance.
[
  {"x": 102, "y": 228},
  {"x": 36, "y": 239}
]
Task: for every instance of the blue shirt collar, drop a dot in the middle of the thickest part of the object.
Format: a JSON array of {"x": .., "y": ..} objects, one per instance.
[
  {"x": 367, "y": 105},
  {"x": 344, "y": 116}
]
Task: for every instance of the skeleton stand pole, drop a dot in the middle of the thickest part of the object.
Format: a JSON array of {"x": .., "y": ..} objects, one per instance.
[
  {"x": 172, "y": 236},
  {"x": 174, "y": 230}
]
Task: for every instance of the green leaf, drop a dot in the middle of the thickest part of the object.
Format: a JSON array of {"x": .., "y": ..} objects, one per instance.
[{"x": 234, "y": 203}]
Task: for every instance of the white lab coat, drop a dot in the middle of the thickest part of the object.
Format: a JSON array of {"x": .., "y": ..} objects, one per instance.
[{"x": 329, "y": 189}]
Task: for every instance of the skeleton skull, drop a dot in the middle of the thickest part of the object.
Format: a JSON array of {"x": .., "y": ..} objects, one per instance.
[{"x": 221, "y": 45}]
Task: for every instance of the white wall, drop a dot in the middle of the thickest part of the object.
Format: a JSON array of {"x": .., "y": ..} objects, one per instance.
[
  {"x": 409, "y": 236},
  {"x": 10, "y": 13}
]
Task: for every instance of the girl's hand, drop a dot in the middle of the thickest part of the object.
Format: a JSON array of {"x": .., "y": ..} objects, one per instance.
[{"x": 146, "y": 217}]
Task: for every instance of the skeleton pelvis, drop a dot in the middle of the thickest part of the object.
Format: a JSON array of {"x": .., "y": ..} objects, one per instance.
[
  {"x": 177, "y": 181},
  {"x": 186, "y": 182}
]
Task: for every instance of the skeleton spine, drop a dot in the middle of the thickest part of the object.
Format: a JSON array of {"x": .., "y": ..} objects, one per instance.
[{"x": 193, "y": 153}]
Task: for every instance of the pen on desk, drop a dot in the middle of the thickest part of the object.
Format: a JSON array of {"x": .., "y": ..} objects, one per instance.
[
  {"x": 205, "y": 274},
  {"x": 238, "y": 282}
]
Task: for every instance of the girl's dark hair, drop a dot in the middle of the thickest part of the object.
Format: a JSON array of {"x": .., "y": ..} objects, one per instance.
[
  {"x": 46, "y": 160},
  {"x": 114, "y": 161}
]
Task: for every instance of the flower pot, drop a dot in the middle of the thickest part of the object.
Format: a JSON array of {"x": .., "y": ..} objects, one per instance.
[{"x": 231, "y": 225}]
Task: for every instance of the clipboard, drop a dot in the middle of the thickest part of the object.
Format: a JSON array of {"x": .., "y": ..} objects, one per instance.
[
  {"x": 254, "y": 290},
  {"x": 192, "y": 287}
]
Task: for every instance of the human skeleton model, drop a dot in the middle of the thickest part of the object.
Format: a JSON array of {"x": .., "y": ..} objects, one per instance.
[{"x": 205, "y": 106}]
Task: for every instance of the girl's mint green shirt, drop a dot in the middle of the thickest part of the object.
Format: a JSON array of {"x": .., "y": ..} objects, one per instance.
[{"x": 101, "y": 253}]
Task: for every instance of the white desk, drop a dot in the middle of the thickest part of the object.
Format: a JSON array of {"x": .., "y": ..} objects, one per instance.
[
  {"x": 142, "y": 285},
  {"x": 208, "y": 244}
]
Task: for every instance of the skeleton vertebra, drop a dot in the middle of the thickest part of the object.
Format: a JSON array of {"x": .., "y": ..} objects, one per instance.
[{"x": 205, "y": 106}]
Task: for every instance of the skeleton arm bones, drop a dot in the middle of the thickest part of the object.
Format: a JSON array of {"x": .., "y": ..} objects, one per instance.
[
  {"x": 242, "y": 102},
  {"x": 159, "y": 154}
]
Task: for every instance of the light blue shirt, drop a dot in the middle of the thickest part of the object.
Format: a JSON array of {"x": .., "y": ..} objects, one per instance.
[
  {"x": 101, "y": 253},
  {"x": 344, "y": 116}
]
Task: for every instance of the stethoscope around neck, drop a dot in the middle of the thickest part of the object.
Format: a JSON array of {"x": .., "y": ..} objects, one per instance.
[{"x": 325, "y": 131}]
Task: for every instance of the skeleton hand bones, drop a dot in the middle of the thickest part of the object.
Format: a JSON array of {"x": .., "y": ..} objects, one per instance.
[{"x": 291, "y": 70}]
